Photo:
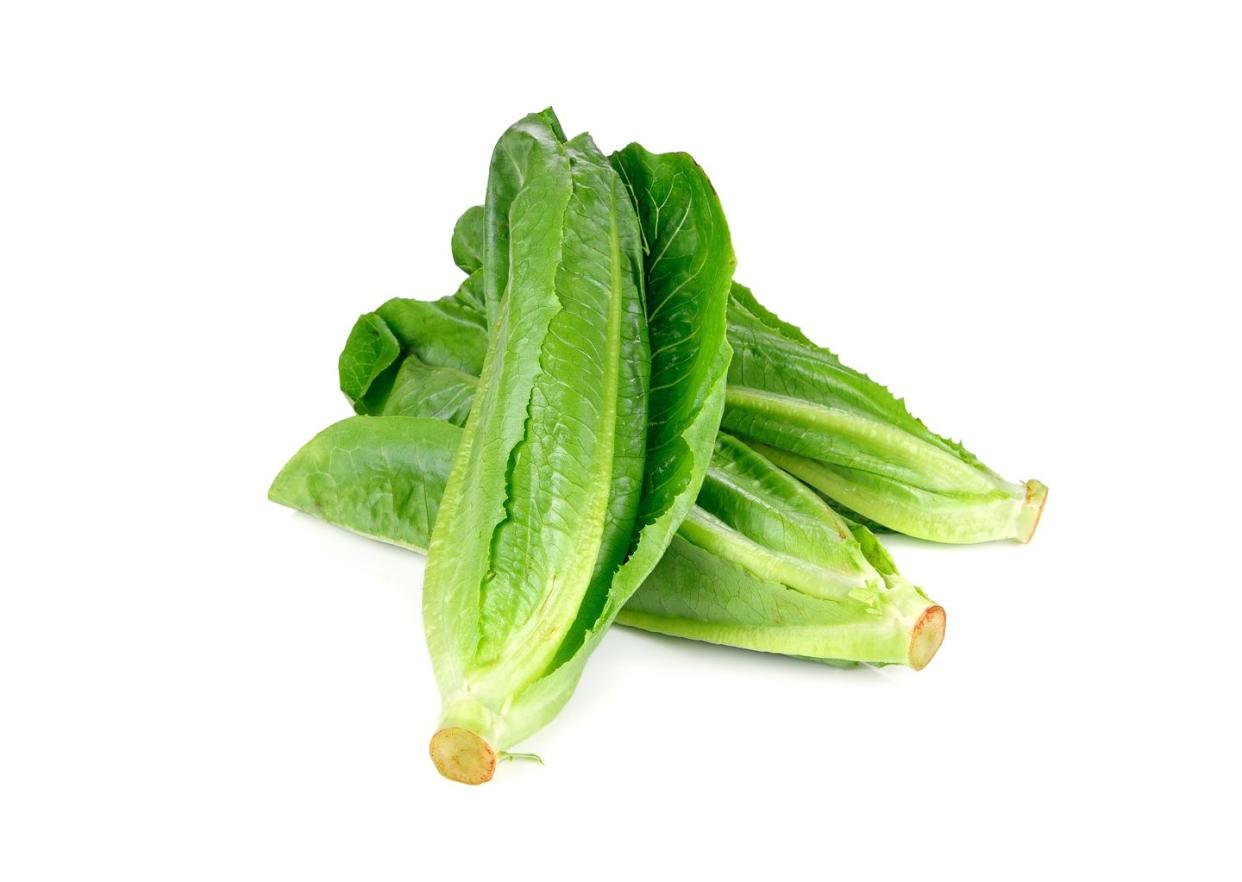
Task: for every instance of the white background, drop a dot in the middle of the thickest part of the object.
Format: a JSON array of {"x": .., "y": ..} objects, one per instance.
[{"x": 1026, "y": 219}]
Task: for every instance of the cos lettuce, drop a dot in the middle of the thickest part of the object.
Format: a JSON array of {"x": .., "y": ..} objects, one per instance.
[
  {"x": 760, "y": 562},
  {"x": 585, "y": 443},
  {"x": 540, "y": 505},
  {"x": 600, "y": 425},
  {"x": 851, "y": 439}
]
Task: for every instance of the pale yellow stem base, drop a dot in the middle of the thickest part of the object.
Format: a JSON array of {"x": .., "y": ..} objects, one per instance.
[
  {"x": 926, "y": 637},
  {"x": 461, "y": 755},
  {"x": 1032, "y": 509}
]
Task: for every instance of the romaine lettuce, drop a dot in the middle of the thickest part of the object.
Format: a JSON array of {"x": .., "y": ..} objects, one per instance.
[
  {"x": 571, "y": 477},
  {"x": 759, "y": 563}
]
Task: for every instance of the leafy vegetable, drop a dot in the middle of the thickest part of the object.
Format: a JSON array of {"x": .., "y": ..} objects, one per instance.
[
  {"x": 539, "y": 507},
  {"x": 468, "y": 238},
  {"x": 756, "y": 531},
  {"x": 449, "y": 332},
  {"x": 381, "y": 477},
  {"x": 420, "y": 389},
  {"x": 763, "y": 563},
  {"x": 561, "y": 501},
  {"x": 850, "y": 438},
  {"x": 759, "y": 563},
  {"x": 558, "y": 433}
]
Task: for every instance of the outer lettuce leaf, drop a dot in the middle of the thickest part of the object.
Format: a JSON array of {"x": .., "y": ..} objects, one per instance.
[
  {"x": 381, "y": 477},
  {"x": 468, "y": 238},
  {"x": 449, "y": 332},
  {"x": 422, "y": 390},
  {"x": 520, "y": 161},
  {"x": 389, "y": 351},
  {"x": 371, "y": 350}
]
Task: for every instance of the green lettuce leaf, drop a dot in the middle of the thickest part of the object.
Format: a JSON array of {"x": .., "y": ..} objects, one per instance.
[
  {"x": 380, "y": 477},
  {"x": 450, "y": 332},
  {"x": 468, "y": 237}
]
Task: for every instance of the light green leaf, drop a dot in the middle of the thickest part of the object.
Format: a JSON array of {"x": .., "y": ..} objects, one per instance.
[{"x": 381, "y": 477}]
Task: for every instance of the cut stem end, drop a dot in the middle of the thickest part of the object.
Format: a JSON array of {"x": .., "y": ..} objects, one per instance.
[
  {"x": 1032, "y": 509},
  {"x": 927, "y": 636},
  {"x": 461, "y": 755}
]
